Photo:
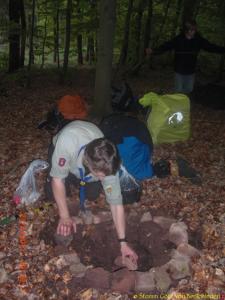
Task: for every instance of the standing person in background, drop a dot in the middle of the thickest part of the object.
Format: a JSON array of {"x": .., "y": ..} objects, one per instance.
[{"x": 186, "y": 46}]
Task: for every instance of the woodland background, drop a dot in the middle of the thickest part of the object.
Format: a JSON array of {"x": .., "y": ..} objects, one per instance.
[{"x": 66, "y": 35}]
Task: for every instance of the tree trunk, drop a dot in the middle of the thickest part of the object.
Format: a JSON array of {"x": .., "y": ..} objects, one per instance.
[
  {"x": 91, "y": 42},
  {"x": 90, "y": 56},
  {"x": 148, "y": 26},
  {"x": 123, "y": 53},
  {"x": 67, "y": 40},
  {"x": 148, "y": 32},
  {"x": 31, "y": 51},
  {"x": 138, "y": 27},
  {"x": 56, "y": 37},
  {"x": 79, "y": 37},
  {"x": 14, "y": 35},
  {"x": 164, "y": 20},
  {"x": 23, "y": 33},
  {"x": 197, "y": 8},
  {"x": 176, "y": 18},
  {"x": 43, "y": 44},
  {"x": 189, "y": 7},
  {"x": 102, "y": 100},
  {"x": 221, "y": 67},
  {"x": 222, "y": 60},
  {"x": 79, "y": 50},
  {"x": 31, "y": 46}
]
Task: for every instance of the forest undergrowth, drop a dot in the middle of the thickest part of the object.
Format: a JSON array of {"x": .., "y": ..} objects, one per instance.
[{"x": 201, "y": 207}]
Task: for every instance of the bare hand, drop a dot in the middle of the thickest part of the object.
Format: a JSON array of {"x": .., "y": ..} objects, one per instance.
[
  {"x": 127, "y": 251},
  {"x": 66, "y": 226}
]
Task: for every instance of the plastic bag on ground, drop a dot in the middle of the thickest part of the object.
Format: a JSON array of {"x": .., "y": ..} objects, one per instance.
[
  {"x": 130, "y": 187},
  {"x": 26, "y": 192}
]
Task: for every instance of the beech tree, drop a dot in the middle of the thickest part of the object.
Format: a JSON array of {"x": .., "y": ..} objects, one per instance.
[
  {"x": 14, "y": 35},
  {"x": 23, "y": 33},
  {"x": 67, "y": 38},
  {"x": 124, "y": 49},
  {"x": 102, "y": 95}
]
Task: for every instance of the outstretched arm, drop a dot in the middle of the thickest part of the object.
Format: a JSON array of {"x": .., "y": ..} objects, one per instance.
[
  {"x": 119, "y": 221},
  {"x": 207, "y": 46},
  {"x": 66, "y": 223},
  {"x": 167, "y": 46}
]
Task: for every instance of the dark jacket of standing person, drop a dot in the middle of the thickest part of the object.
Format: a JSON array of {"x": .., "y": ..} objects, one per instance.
[{"x": 187, "y": 50}]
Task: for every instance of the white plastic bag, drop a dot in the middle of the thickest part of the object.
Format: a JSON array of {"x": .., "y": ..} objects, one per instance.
[
  {"x": 127, "y": 181},
  {"x": 26, "y": 192},
  {"x": 130, "y": 187}
]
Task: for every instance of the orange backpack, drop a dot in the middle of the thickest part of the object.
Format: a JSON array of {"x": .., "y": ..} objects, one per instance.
[{"x": 72, "y": 107}]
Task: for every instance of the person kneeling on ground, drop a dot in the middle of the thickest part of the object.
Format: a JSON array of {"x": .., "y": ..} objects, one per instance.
[{"x": 80, "y": 150}]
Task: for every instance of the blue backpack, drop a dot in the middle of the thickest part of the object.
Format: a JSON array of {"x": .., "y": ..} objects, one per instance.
[{"x": 133, "y": 141}]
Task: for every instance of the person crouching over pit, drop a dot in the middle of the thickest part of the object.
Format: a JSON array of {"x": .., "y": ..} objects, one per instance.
[{"x": 81, "y": 151}]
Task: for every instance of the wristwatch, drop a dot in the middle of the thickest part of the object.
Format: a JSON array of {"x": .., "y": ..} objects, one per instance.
[{"x": 122, "y": 240}]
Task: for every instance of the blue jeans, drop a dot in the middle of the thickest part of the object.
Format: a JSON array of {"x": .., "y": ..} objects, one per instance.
[{"x": 184, "y": 83}]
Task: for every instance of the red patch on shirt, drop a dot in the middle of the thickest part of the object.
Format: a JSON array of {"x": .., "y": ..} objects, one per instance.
[{"x": 62, "y": 162}]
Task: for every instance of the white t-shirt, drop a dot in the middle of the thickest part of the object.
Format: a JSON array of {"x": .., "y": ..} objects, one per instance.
[{"x": 68, "y": 154}]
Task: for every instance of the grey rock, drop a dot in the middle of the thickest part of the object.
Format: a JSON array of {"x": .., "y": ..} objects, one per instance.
[
  {"x": 2, "y": 255},
  {"x": 87, "y": 217},
  {"x": 102, "y": 216},
  {"x": 123, "y": 281},
  {"x": 128, "y": 263},
  {"x": 132, "y": 214},
  {"x": 145, "y": 281},
  {"x": 78, "y": 270},
  {"x": 97, "y": 278},
  {"x": 222, "y": 218},
  {"x": 162, "y": 278},
  {"x": 177, "y": 255},
  {"x": 63, "y": 240},
  {"x": 178, "y": 233},
  {"x": 179, "y": 266},
  {"x": 72, "y": 258},
  {"x": 3, "y": 275},
  {"x": 146, "y": 217},
  {"x": 163, "y": 222},
  {"x": 188, "y": 250}
]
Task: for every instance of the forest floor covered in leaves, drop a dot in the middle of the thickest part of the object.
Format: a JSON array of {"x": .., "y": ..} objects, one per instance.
[{"x": 201, "y": 207}]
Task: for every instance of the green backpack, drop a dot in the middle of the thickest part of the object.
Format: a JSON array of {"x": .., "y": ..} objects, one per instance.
[{"x": 169, "y": 119}]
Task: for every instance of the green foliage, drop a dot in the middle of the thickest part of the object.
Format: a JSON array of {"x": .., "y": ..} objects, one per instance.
[
  {"x": 3, "y": 60},
  {"x": 85, "y": 21}
]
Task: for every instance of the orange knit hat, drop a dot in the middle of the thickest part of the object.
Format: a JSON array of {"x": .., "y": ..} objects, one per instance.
[{"x": 72, "y": 107}]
